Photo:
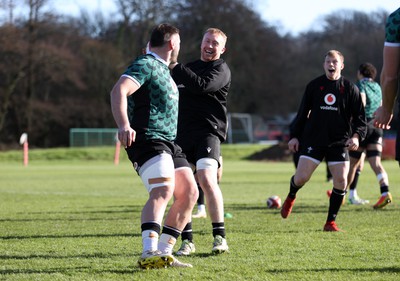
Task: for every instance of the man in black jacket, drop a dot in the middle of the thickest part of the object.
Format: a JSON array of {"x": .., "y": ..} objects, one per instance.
[
  {"x": 202, "y": 126},
  {"x": 330, "y": 121}
]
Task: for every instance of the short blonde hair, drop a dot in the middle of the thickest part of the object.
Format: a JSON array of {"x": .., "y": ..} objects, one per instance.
[
  {"x": 214, "y": 30},
  {"x": 332, "y": 53}
]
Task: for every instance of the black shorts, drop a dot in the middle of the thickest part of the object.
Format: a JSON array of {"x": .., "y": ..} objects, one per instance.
[
  {"x": 198, "y": 147},
  {"x": 331, "y": 154},
  {"x": 140, "y": 152},
  {"x": 374, "y": 136}
]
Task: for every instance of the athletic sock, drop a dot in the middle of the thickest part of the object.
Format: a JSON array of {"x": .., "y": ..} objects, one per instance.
[
  {"x": 335, "y": 202},
  {"x": 168, "y": 239},
  {"x": 293, "y": 188},
  {"x": 218, "y": 228},
  {"x": 201, "y": 208},
  {"x": 353, "y": 185},
  {"x": 200, "y": 199},
  {"x": 187, "y": 233},
  {"x": 150, "y": 234},
  {"x": 384, "y": 189}
]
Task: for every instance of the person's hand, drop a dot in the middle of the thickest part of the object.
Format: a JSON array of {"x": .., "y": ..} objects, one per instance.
[
  {"x": 126, "y": 136},
  {"x": 293, "y": 145},
  {"x": 382, "y": 118},
  {"x": 352, "y": 143}
]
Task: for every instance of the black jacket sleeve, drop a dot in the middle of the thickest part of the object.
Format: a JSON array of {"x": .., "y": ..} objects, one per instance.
[{"x": 213, "y": 79}]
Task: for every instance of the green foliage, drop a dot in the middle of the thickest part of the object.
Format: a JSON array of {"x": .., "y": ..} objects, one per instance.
[
  {"x": 80, "y": 220},
  {"x": 57, "y": 72}
]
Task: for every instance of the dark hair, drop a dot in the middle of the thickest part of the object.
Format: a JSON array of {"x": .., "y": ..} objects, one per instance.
[
  {"x": 367, "y": 70},
  {"x": 161, "y": 34}
]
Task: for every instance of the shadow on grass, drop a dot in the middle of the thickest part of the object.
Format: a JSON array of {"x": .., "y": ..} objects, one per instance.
[
  {"x": 47, "y": 257},
  {"x": 126, "y": 210},
  {"x": 64, "y": 219},
  {"x": 307, "y": 208},
  {"x": 389, "y": 269},
  {"x": 70, "y": 236},
  {"x": 71, "y": 270}
]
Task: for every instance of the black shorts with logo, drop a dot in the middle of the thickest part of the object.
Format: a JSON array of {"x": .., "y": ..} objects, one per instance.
[
  {"x": 198, "y": 147},
  {"x": 330, "y": 153}
]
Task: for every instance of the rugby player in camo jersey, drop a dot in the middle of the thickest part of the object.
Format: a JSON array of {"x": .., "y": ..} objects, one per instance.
[
  {"x": 371, "y": 95},
  {"x": 144, "y": 104}
]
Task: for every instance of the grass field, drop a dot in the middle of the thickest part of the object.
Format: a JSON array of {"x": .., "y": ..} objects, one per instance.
[{"x": 80, "y": 220}]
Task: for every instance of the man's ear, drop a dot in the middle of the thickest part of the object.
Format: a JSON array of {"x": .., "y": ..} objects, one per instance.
[
  {"x": 223, "y": 51},
  {"x": 171, "y": 45}
]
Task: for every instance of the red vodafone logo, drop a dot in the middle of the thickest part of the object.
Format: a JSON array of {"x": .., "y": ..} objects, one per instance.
[{"x": 330, "y": 99}]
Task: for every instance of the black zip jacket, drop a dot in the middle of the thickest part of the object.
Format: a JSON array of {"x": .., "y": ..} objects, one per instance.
[{"x": 203, "y": 91}]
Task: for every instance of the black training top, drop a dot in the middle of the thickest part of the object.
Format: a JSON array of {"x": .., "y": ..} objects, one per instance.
[
  {"x": 203, "y": 90},
  {"x": 329, "y": 114}
]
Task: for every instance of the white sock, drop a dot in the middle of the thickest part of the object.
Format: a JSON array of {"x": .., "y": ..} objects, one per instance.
[
  {"x": 149, "y": 240},
  {"x": 201, "y": 208},
  {"x": 353, "y": 193},
  {"x": 166, "y": 243}
]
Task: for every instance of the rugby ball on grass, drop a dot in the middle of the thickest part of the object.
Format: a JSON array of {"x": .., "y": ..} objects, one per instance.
[{"x": 274, "y": 202}]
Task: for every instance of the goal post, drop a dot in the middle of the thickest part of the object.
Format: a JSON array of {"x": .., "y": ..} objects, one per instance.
[{"x": 240, "y": 128}]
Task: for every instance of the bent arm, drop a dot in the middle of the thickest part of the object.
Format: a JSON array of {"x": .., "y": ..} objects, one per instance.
[
  {"x": 119, "y": 107},
  {"x": 211, "y": 80}
]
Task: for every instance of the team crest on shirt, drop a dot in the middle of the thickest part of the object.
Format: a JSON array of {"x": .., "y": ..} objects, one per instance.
[{"x": 330, "y": 99}]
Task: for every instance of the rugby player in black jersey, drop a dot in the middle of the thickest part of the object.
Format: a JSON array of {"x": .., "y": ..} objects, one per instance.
[
  {"x": 202, "y": 126},
  {"x": 330, "y": 121}
]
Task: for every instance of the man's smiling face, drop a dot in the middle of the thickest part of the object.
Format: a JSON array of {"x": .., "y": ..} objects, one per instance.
[{"x": 212, "y": 46}]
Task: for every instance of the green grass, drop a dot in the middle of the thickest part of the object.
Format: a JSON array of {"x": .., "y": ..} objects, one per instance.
[
  {"x": 237, "y": 151},
  {"x": 80, "y": 220}
]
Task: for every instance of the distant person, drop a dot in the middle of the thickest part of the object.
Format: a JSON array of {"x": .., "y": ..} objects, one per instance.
[
  {"x": 390, "y": 76},
  {"x": 144, "y": 104},
  {"x": 202, "y": 127},
  {"x": 371, "y": 95},
  {"x": 330, "y": 120}
]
